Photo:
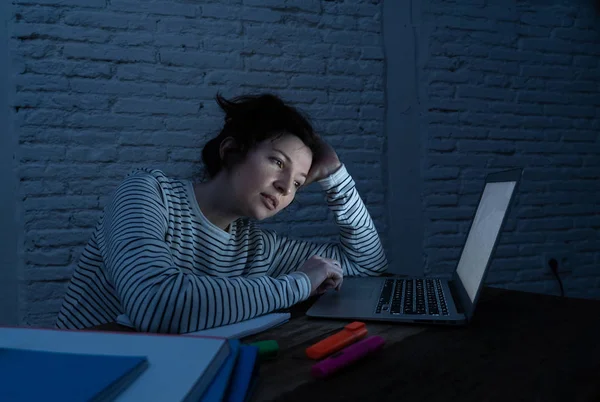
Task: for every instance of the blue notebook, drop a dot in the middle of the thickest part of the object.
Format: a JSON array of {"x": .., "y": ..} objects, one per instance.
[
  {"x": 30, "y": 375},
  {"x": 217, "y": 388},
  {"x": 245, "y": 373}
]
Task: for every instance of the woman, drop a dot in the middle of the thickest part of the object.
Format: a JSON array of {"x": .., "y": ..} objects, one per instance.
[{"x": 177, "y": 257}]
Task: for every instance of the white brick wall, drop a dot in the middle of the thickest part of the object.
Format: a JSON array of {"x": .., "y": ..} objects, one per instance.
[{"x": 516, "y": 85}]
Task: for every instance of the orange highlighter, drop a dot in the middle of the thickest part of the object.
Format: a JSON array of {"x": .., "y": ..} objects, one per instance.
[{"x": 347, "y": 336}]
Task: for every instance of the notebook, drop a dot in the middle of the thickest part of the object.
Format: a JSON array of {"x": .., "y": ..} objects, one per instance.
[
  {"x": 33, "y": 375},
  {"x": 217, "y": 389},
  {"x": 245, "y": 374},
  {"x": 180, "y": 368},
  {"x": 233, "y": 331}
]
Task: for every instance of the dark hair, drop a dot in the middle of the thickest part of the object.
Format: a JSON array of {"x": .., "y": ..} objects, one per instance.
[{"x": 249, "y": 120}]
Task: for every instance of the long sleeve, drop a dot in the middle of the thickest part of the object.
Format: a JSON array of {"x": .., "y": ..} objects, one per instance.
[
  {"x": 359, "y": 249},
  {"x": 159, "y": 296}
]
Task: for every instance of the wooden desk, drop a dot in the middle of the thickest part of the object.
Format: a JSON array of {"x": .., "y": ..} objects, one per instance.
[{"x": 520, "y": 346}]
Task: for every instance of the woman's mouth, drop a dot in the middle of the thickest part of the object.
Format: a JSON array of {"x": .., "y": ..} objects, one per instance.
[{"x": 269, "y": 201}]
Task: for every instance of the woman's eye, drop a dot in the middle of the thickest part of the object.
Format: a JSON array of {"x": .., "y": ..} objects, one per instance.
[
  {"x": 278, "y": 162},
  {"x": 297, "y": 184}
]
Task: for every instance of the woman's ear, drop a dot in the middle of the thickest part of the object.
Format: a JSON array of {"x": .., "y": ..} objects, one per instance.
[
  {"x": 226, "y": 147},
  {"x": 230, "y": 152}
]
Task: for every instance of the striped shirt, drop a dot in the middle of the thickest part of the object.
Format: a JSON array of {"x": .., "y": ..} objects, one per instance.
[{"x": 156, "y": 258}]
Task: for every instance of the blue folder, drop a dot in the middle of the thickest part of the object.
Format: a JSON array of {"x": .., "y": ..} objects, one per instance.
[
  {"x": 245, "y": 374},
  {"x": 30, "y": 375},
  {"x": 217, "y": 388}
]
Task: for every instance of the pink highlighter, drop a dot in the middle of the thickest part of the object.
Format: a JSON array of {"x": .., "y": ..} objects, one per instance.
[{"x": 347, "y": 356}]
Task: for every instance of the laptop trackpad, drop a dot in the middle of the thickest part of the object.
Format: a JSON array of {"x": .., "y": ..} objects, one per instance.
[{"x": 361, "y": 293}]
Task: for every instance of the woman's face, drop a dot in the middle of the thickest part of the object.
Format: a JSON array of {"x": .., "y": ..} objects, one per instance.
[{"x": 266, "y": 181}]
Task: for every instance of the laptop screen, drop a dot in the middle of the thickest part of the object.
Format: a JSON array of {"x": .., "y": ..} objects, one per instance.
[{"x": 482, "y": 236}]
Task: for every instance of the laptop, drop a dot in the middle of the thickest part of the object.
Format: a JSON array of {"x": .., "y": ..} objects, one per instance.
[{"x": 431, "y": 299}]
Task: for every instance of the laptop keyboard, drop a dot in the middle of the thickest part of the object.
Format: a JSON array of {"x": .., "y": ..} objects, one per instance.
[{"x": 412, "y": 296}]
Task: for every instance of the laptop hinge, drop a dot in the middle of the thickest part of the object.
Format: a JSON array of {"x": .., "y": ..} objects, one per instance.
[{"x": 456, "y": 297}]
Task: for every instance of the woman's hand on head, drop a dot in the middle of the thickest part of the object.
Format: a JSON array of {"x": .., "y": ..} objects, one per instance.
[
  {"x": 325, "y": 162},
  {"x": 324, "y": 274}
]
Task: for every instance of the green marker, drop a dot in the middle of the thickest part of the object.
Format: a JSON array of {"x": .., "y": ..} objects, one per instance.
[{"x": 266, "y": 349}]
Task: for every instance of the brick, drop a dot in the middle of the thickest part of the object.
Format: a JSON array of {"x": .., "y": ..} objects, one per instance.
[
  {"x": 42, "y": 187},
  {"x": 354, "y": 68},
  {"x": 132, "y": 39},
  {"x": 352, "y": 38},
  {"x": 372, "y": 113},
  {"x": 47, "y": 273},
  {"x": 570, "y": 111},
  {"x": 200, "y": 26},
  {"x": 289, "y": 5},
  {"x": 282, "y": 33},
  {"x": 545, "y": 18},
  {"x": 41, "y": 153},
  {"x": 62, "y": 102},
  {"x": 61, "y": 32},
  {"x": 345, "y": 52},
  {"x": 262, "y": 15},
  {"x": 42, "y": 291},
  {"x": 441, "y": 91},
  {"x": 179, "y": 40},
  {"x": 108, "y": 53},
  {"x": 499, "y": 147},
  {"x": 469, "y": 24},
  {"x": 191, "y": 155},
  {"x": 89, "y": 219},
  {"x": 100, "y": 186},
  {"x": 466, "y": 91},
  {"x": 547, "y": 72},
  {"x": 78, "y": 3},
  {"x": 155, "y": 7},
  {"x": 359, "y": 10},
  {"x": 201, "y": 59},
  {"x": 38, "y": 14},
  {"x": 490, "y": 66},
  {"x": 57, "y": 203},
  {"x": 48, "y": 258},
  {"x": 300, "y": 96},
  {"x": 92, "y": 154},
  {"x": 153, "y": 106},
  {"x": 110, "y": 87},
  {"x": 489, "y": 120},
  {"x": 516, "y": 108},
  {"x": 501, "y": 54},
  {"x": 42, "y": 117},
  {"x": 585, "y": 61},
  {"x": 456, "y": 160},
  {"x": 284, "y": 64},
  {"x": 107, "y": 19},
  {"x": 573, "y": 34},
  {"x": 346, "y": 22},
  {"x": 489, "y": 12},
  {"x": 160, "y": 74},
  {"x": 63, "y": 136},
  {"x": 137, "y": 154},
  {"x": 87, "y": 120},
  {"x": 546, "y": 45},
  {"x": 329, "y": 82},
  {"x": 194, "y": 123},
  {"x": 70, "y": 68},
  {"x": 37, "y": 49}
]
